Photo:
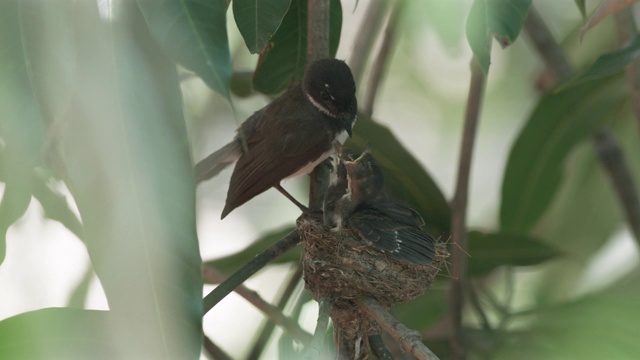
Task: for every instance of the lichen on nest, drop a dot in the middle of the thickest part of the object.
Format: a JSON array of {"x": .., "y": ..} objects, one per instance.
[{"x": 338, "y": 265}]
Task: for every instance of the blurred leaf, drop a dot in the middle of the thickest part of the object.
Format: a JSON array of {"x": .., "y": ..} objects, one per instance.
[
  {"x": 447, "y": 19},
  {"x": 231, "y": 263},
  {"x": 609, "y": 64},
  {"x": 78, "y": 297},
  {"x": 58, "y": 333},
  {"x": 535, "y": 165},
  {"x": 404, "y": 175},
  {"x": 489, "y": 251},
  {"x": 584, "y": 214},
  {"x": 130, "y": 171},
  {"x": 598, "y": 327},
  {"x": 413, "y": 314},
  {"x": 55, "y": 204},
  {"x": 606, "y": 8},
  {"x": 283, "y": 60},
  {"x": 501, "y": 19},
  {"x": 582, "y": 7},
  {"x": 194, "y": 32},
  {"x": 257, "y": 20}
]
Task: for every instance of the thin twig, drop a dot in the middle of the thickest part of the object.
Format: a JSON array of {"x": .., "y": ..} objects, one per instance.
[
  {"x": 315, "y": 348},
  {"x": 367, "y": 35},
  {"x": 475, "y": 303},
  {"x": 381, "y": 61},
  {"x": 317, "y": 48},
  {"x": 269, "y": 326},
  {"x": 272, "y": 312},
  {"x": 214, "y": 350},
  {"x": 552, "y": 55},
  {"x": 613, "y": 160},
  {"x": 409, "y": 340},
  {"x": 627, "y": 29},
  {"x": 261, "y": 260},
  {"x": 459, "y": 208}
]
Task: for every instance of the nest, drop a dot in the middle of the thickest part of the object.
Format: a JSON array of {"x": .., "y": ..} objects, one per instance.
[{"x": 338, "y": 265}]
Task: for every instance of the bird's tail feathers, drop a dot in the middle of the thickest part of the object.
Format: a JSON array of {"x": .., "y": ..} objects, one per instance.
[{"x": 216, "y": 162}]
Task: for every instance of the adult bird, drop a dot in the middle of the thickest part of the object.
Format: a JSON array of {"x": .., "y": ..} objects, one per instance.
[
  {"x": 289, "y": 136},
  {"x": 357, "y": 200}
]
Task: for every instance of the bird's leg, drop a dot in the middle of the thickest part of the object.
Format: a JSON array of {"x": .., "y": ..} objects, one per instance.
[{"x": 284, "y": 192}]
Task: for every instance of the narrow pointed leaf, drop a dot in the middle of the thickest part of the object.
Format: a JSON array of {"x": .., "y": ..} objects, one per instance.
[
  {"x": 194, "y": 32},
  {"x": 499, "y": 19},
  {"x": 130, "y": 171},
  {"x": 283, "y": 61},
  {"x": 582, "y": 7},
  {"x": 535, "y": 166},
  {"x": 258, "y": 20},
  {"x": 606, "y": 8},
  {"x": 488, "y": 251}
]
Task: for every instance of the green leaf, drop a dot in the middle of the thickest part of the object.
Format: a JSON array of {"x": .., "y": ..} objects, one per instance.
[
  {"x": 413, "y": 314},
  {"x": 231, "y": 263},
  {"x": 535, "y": 166},
  {"x": 581, "y": 4},
  {"x": 501, "y": 19},
  {"x": 404, "y": 175},
  {"x": 258, "y": 20},
  {"x": 194, "y": 32},
  {"x": 610, "y": 63},
  {"x": 58, "y": 333},
  {"x": 489, "y": 251},
  {"x": 598, "y": 327},
  {"x": 130, "y": 172},
  {"x": 36, "y": 76},
  {"x": 283, "y": 61}
]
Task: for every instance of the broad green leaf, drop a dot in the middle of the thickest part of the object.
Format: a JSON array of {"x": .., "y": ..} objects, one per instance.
[
  {"x": 585, "y": 212},
  {"x": 283, "y": 61},
  {"x": 598, "y": 327},
  {"x": 535, "y": 166},
  {"x": 405, "y": 177},
  {"x": 231, "y": 263},
  {"x": 258, "y": 20},
  {"x": 500, "y": 19},
  {"x": 489, "y": 251},
  {"x": 610, "y": 63},
  {"x": 58, "y": 333},
  {"x": 194, "y": 32},
  {"x": 36, "y": 74},
  {"x": 130, "y": 171}
]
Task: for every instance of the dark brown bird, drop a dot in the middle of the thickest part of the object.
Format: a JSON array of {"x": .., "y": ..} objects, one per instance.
[{"x": 290, "y": 136}]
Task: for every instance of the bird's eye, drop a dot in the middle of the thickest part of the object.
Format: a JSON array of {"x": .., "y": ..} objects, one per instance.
[{"x": 325, "y": 95}]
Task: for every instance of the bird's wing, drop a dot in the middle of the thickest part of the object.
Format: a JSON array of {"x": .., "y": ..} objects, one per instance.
[
  {"x": 273, "y": 157},
  {"x": 402, "y": 212},
  {"x": 400, "y": 241}
]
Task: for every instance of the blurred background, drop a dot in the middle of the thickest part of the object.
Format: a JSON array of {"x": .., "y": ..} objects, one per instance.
[{"x": 422, "y": 100}]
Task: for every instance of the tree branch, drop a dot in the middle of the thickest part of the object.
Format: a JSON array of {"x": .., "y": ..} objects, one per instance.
[
  {"x": 613, "y": 160},
  {"x": 366, "y": 37},
  {"x": 410, "y": 340},
  {"x": 273, "y": 313},
  {"x": 381, "y": 61},
  {"x": 214, "y": 351},
  {"x": 459, "y": 207},
  {"x": 627, "y": 29},
  {"x": 315, "y": 348},
  {"x": 250, "y": 268}
]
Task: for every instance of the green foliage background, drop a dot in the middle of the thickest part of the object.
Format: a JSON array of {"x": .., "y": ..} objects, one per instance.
[{"x": 109, "y": 104}]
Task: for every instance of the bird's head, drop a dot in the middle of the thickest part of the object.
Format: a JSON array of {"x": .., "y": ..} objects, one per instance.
[
  {"x": 365, "y": 177},
  {"x": 329, "y": 86}
]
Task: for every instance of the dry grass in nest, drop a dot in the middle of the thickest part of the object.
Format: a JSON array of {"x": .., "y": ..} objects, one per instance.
[{"x": 338, "y": 265}]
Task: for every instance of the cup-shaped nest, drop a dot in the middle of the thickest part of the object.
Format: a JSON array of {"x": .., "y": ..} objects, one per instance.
[{"x": 339, "y": 265}]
